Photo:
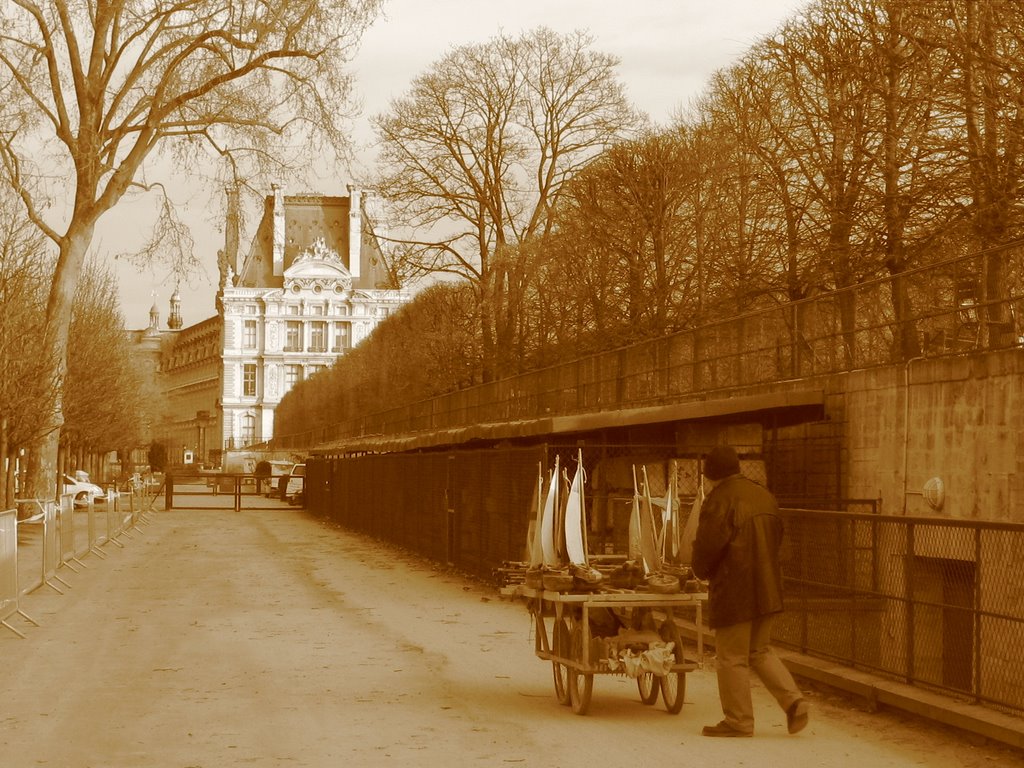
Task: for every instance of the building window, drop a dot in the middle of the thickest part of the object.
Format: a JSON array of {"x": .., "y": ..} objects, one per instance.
[
  {"x": 248, "y": 428},
  {"x": 342, "y": 334},
  {"x": 249, "y": 380},
  {"x": 293, "y": 309},
  {"x": 249, "y": 334},
  {"x": 292, "y": 376},
  {"x": 318, "y": 336},
  {"x": 293, "y": 336},
  {"x": 317, "y": 309}
]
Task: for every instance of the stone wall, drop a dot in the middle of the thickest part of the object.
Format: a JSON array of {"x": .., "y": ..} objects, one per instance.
[{"x": 959, "y": 419}]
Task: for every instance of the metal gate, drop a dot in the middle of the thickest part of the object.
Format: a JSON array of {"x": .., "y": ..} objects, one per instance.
[{"x": 222, "y": 490}]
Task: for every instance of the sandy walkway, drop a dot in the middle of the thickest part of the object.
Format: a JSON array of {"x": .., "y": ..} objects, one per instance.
[{"x": 270, "y": 638}]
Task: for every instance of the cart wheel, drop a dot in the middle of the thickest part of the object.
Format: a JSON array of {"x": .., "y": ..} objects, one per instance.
[
  {"x": 673, "y": 685},
  {"x": 649, "y": 686},
  {"x": 581, "y": 685},
  {"x": 562, "y": 647}
]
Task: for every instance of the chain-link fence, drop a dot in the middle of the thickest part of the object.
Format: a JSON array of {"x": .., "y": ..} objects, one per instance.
[
  {"x": 466, "y": 508},
  {"x": 931, "y": 602},
  {"x": 473, "y": 508}
]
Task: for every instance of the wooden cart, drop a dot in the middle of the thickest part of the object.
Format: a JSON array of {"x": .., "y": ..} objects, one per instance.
[{"x": 564, "y": 637}]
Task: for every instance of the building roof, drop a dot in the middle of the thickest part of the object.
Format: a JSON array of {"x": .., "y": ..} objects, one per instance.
[{"x": 305, "y": 219}]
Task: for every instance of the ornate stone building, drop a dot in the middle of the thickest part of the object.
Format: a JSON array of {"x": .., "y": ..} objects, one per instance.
[{"x": 311, "y": 287}]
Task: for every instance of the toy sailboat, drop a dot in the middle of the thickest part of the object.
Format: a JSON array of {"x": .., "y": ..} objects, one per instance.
[
  {"x": 631, "y": 573},
  {"x": 534, "y": 537},
  {"x": 557, "y": 539},
  {"x": 584, "y": 576},
  {"x": 652, "y": 543},
  {"x": 554, "y": 574},
  {"x": 689, "y": 530},
  {"x": 549, "y": 511}
]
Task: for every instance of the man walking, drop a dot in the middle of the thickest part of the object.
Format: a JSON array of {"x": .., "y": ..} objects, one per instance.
[{"x": 737, "y": 551}]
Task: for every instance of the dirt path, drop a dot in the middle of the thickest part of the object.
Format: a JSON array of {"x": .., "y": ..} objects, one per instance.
[{"x": 273, "y": 639}]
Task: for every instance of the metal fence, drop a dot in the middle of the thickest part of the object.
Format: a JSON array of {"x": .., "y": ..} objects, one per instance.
[
  {"x": 10, "y": 594},
  {"x": 222, "y": 490},
  {"x": 931, "y": 602},
  {"x": 946, "y": 308},
  {"x": 467, "y": 509}
]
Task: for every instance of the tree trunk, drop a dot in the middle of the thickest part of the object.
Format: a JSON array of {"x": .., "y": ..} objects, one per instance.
[
  {"x": 5, "y": 469},
  {"x": 839, "y": 246},
  {"x": 905, "y": 326},
  {"x": 903, "y": 315},
  {"x": 994, "y": 176},
  {"x": 43, "y": 475}
]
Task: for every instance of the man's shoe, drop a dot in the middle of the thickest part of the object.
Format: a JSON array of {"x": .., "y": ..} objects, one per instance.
[
  {"x": 796, "y": 716},
  {"x": 723, "y": 729}
]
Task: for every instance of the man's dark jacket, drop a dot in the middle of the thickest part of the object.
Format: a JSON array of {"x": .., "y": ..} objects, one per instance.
[{"x": 737, "y": 550}]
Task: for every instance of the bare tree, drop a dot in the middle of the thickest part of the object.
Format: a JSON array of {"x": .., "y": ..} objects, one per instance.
[
  {"x": 620, "y": 241},
  {"x": 93, "y": 91},
  {"x": 103, "y": 392},
  {"x": 478, "y": 151},
  {"x": 429, "y": 347},
  {"x": 822, "y": 61},
  {"x": 26, "y": 392},
  {"x": 917, "y": 191},
  {"x": 746, "y": 118},
  {"x": 987, "y": 43},
  {"x": 903, "y": 199}
]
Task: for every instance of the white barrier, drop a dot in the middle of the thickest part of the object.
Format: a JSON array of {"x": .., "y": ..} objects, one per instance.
[
  {"x": 127, "y": 519},
  {"x": 92, "y": 535},
  {"x": 51, "y": 546},
  {"x": 66, "y": 526},
  {"x": 10, "y": 595},
  {"x": 113, "y": 520},
  {"x": 50, "y": 561},
  {"x": 58, "y": 543}
]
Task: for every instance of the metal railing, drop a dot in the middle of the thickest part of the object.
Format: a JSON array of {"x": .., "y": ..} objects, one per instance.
[
  {"x": 947, "y": 310},
  {"x": 51, "y": 536},
  {"x": 10, "y": 593},
  {"x": 926, "y": 601}
]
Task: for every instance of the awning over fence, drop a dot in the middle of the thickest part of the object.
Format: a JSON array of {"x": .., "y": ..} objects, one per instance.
[
  {"x": 785, "y": 407},
  {"x": 793, "y": 407}
]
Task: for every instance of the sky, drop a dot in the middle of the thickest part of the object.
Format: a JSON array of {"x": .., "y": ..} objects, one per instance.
[{"x": 668, "y": 50}]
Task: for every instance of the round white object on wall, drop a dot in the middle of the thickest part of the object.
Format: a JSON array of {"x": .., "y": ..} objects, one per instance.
[{"x": 935, "y": 493}]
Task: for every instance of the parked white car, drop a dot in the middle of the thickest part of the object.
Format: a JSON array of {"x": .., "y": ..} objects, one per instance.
[
  {"x": 83, "y": 489},
  {"x": 296, "y": 485}
]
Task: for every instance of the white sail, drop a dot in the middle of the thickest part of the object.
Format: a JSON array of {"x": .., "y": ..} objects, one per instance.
[
  {"x": 633, "y": 545},
  {"x": 535, "y": 547},
  {"x": 648, "y": 534},
  {"x": 671, "y": 514},
  {"x": 689, "y": 532},
  {"x": 575, "y": 538},
  {"x": 549, "y": 553}
]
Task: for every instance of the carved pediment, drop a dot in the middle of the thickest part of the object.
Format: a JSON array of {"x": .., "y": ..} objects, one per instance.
[{"x": 318, "y": 268}]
